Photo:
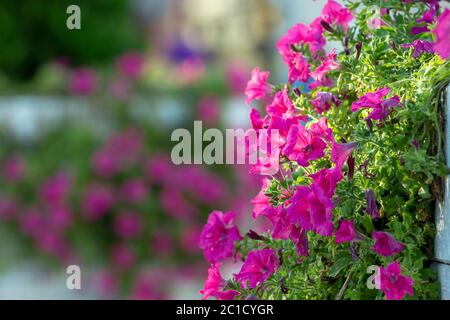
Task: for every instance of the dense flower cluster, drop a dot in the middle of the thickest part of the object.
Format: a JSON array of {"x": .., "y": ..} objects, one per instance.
[{"x": 304, "y": 201}]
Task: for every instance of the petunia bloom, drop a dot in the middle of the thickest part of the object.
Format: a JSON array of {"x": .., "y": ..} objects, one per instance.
[
  {"x": 381, "y": 109},
  {"x": 335, "y": 14},
  {"x": 328, "y": 64},
  {"x": 257, "y": 268},
  {"x": 372, "y": 207},
  {"x": 83, "y": 82},
  {"x": 302, "y": 146},
  {"x": 346, "y": 232},
  {"x": 257, "y": 87},
  {"x": 323, "y": 101},
  {"x": 385, "y": 244},
  {"x": 215, "y": 284},
  {"x": 218, "y": 236},
  {"x": 340, "y": 152},
  {"x": 420, "y": 47},
  {"x": 442, "y": 32},
  {"x": 393, "y": 283}
]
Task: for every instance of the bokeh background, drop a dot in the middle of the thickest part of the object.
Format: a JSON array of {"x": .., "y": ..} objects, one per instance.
[{"x": 85, "y": 123}]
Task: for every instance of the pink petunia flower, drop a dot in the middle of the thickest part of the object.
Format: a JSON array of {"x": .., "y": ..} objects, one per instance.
[
  {"x": 372, "y": 207},
  {"x": 327, "y": 180},
  {"x": 420, "y": 47},
  {"x": 328, "y": 64},
  {"x": 385, "y": 244},
  {"x": 218, "y": 236},
  {"x": 381, "y": 108},
  {"x": 335, "y": 14},
  {"x": 215, "y": 284},
  {"x": 442, "y": 33},
  {"x": 346, "y": 232},
  {"x": 323, "y": 101},
  {"x": 257, "y": 268},
  {"x": 55, "y": 189},
  {"x": 321, "y": 129},
  {"x": 261, "y": 201},
  {"x": 393, "y": 283},
  {"x": 302, "y": 146},
  {"x": 300, "y": 239},
  {"x": 341, "y": 152},
  {"x": 298, "y": 67},
  {"x": 257, "y": 88}
]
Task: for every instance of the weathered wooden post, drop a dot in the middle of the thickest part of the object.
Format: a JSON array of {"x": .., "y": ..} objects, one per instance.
[{"x": 442, "y": 243}]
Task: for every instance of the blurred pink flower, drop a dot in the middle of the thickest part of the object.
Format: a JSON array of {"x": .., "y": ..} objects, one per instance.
[
  {"x": 97, "y": 200},
  {"x": 13, "y": 169},
  {"x": 161, "y": 244},
  {"x": 442, "y": 32},
  {"x": 257, "y": 87},
  {"x": 55, "y": 189},
  {"x": 123, "y": 256},
  {"x": 175, "y": 205},
  {"x": 60, "y": 217},
  {"x": 191, "y": 70},
  {"x": 120, "y": 89},
  {"x": 208, "y": 110},
  {"x": 134, "y": 190},
  {"x": 218, "y": 236},
  {"x": 8, "y": 208},
  {"x": 83, "y": 81},
  {"x": 236, "y": 74},
  {"x": 128, "y": 225},
  {"x": 144, "y": 289},
  {"x": 131, "y": 64},
  {"x": 190, "y": 238},
  {"x": 159, "y": 167}
]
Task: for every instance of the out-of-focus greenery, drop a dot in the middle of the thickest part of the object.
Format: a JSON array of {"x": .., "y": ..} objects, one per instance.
[{"x": 34, "y": 32}]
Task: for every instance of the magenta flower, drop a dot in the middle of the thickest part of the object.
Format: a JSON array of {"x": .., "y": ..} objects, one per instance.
[
  {"x": 323, "y": 101},
  {"x": 123, "y": 256},
  {"x": 104, "y": 163},
  {"x": 420, "y": 47},
  {"x": 131, "y": 64},
  {"x": 395, "y": 285},
  {"x": 236, "y": 74},
  {"x": 302, "y": 146},
  {"x": 255, "y": 118},
  {"x": 385, "y": 244},
  {"x": 372, "y": 207},
  {"x": 208, "y": 110},
  {"x": 320, "y": 207},
  {"x": 158, "y": 168},
  {"x": 257, "y": 268},
  {"x": 60, "y": 217},
  {"x": 13, "y": 169},
  {"x": 381, "y": 109},
  {"x": 215, "y": 284},
  {"x": 283, "y": 108},
  {"x": 97, "y": 201},
  {"x": 346, "y": 232},
  {"x": 257, "y": 87},
  {"x": 341, "y": 152},
  {"x": 442, "y": 32},
  {"x": 83, "y": 82},
  {"x": 128, "y": 225},
  {"x": 327, "y": 180},
  {"x": 56, "y": 189},
  {"x": 134, "y": 190},
  {"x": 261, "y": 201},
  {"x": 298, "y": 211},
  {"x": 8, "y": 208},
  {"x": 300, "y": 239},
  {"x": 328, "y": 64},
  {"x": 321, "y": 129},
  {"x": 335, "y": 14},
  {"x": 300, "y": 34},
  {"x": 218, "y": 236},
  {"x": 298, "y": 67}
]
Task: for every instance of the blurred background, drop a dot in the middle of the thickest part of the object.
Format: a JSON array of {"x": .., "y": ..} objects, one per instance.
[{"x": 85, "y": 123}]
